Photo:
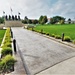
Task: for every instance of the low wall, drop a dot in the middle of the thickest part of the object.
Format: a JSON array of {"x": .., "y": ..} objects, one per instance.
[
  {"x": 13, "y": 24},
  {"x": 1, "y": 26}
]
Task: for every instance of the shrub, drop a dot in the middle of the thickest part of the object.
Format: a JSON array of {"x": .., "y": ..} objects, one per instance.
[
  {"x": 41, "y": 31},
  {"x": 38, "y": 31},
  {"x": 57, "y": 36},
  {"x": 6, "y": 51},
  {"x": 7, "y": 64},
  {"x": 47, "y": 33},
  {"x": 8, "y": 44},
  {"x": 74, "y": 41},
  {"x": 67, "y": 38},
  {"x": 53, "y": 35},
  {"x": 7, "y": 40}
]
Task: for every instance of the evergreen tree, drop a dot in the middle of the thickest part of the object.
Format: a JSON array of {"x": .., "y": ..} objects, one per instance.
[
  {"x": 69, "y": 21},
  {"x": 9, "y": 17}
]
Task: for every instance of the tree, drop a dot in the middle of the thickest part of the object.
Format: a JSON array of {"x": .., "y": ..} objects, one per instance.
[
  {"x": 6, "y": 17},
  {"x": 1, "y": 20},
  {"x": 9, "y": 17},
  {"x": 43, "y": 19},
  {"x": 40, "y": 19},
  {"x": 29, "y": 21},
  {"x": 61, "y": 21},
  {"x": 69, "y": 21},
  {"x": 16, "y": 17},
  {"x": 26, "y": 19},
  {"x": 52, "y": 21},
  {"x": 56, "y": 19},
  {"x": 13, "y": 17},
  {"x": 35, "y": 21}
]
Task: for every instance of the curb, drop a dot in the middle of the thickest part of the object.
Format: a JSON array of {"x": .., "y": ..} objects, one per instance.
[{"x": 57, "y": 40}]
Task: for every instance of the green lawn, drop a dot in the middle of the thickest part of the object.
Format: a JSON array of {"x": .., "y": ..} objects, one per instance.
[
  {"x": 68, "y": 29},
  {"x": 2, "y": 32}
]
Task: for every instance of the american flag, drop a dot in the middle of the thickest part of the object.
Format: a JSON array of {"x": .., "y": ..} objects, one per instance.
[
  {"x": 19, "y": 13},
  {"x": 3, "y": 12},
  {"x": 11, "y": 9}
]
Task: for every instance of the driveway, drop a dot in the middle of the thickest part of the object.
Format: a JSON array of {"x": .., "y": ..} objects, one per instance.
[{"x": 38, "y": 52}]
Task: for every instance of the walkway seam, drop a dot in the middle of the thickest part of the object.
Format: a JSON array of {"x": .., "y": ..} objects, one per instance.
[{"x": 54, "y": 65}]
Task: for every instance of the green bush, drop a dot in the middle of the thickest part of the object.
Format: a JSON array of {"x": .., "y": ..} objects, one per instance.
[
  {"x": 7, "y": 40},
  {"x": 73, "y": 41},
  {"x": 67, "y": 38},
  {"x": 47, "y": 33},
  {"x": 8, "y": 44},
  {"x": 38, "y": 31},
  {"x": 57, "y": 36},
  {"x": 41, "y": 31},
  {"x": 6, "y": 51},
  {"x": 7, "y": 64},
  {"x": 52, "y": 35}
]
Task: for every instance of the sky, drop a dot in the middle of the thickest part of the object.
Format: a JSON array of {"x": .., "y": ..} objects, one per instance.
[{"x": 33, "y": 9}]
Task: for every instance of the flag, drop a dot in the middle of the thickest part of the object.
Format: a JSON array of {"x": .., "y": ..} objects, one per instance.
[
  {"x": 11, "y": 9},
  {"x": 3, "y": 12},
  {"x": 19, "y": 13}
]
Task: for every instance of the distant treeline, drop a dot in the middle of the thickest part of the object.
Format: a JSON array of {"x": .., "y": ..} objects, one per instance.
[
  {"x": 45, "y": 20},
  {"x": 1, "y": 20}
]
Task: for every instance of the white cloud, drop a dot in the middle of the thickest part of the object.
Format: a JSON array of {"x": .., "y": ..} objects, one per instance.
[
  {"x": 35, "y": 8},
  {"x": 64, "y": 8}
]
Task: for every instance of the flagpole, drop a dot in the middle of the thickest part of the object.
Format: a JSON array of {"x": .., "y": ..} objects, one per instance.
[
  {"x": 19, "y": 15},
  {"x": 11, "y": 11}
]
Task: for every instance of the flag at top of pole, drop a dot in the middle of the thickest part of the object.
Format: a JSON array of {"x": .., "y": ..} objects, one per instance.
[
  {"x": 19, "y": 13},
  {"x": 11, "y": 10},
  {"x": 3, "y": 12}
]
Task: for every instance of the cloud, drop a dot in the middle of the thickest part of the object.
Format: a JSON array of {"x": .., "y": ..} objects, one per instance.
[
  {"x": 35, "y": 8},
  {"x": 63, "y": 8}
]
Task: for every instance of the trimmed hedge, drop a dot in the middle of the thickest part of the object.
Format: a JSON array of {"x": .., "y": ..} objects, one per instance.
[
  {"x": 57, "y": 36},
  {"x": 73, "y": 41},
  {"x": 67, "y": 38},
  {"x": 6, "y": 51},
  {"x": 52, "y": 35},
  {"x": 8, "y": 44},
  {"x": 7, "y": 64},
  {"x": 47, "y": 33}
]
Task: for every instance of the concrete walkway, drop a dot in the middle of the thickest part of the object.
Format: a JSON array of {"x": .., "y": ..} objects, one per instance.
[
  {"x": 40, "y": 53},
  {"x": 64, "y": 68}
]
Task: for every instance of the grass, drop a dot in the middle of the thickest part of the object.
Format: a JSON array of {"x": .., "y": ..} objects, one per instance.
[
  {"x": 67, "y": 29},
  {"x": 2, "y": 32}
]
